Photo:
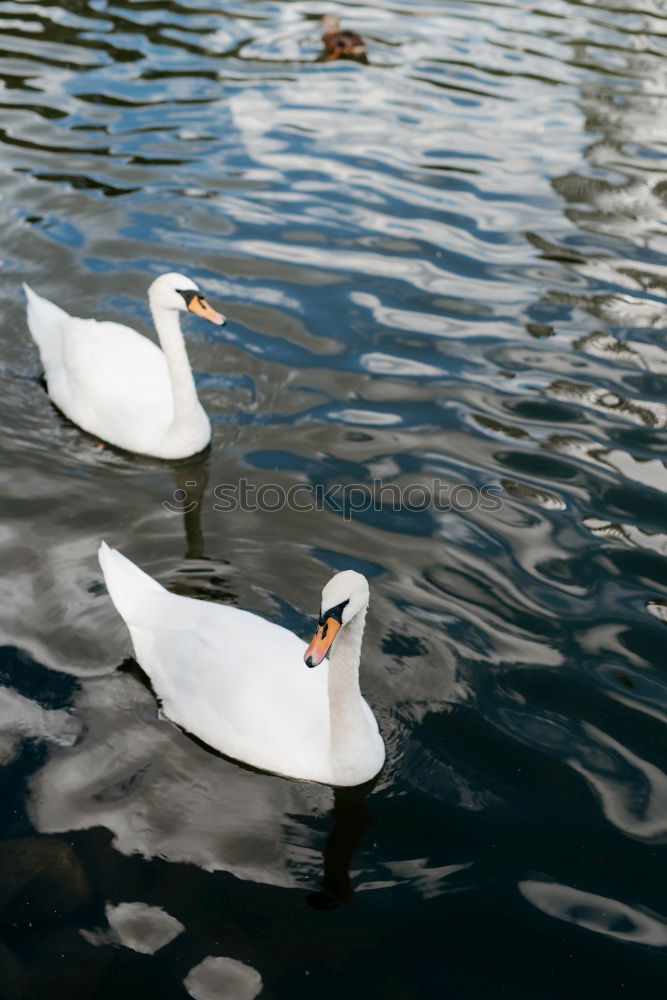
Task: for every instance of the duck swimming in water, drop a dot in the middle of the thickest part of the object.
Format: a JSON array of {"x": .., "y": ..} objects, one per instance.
[{"x": 341, "y": 44}]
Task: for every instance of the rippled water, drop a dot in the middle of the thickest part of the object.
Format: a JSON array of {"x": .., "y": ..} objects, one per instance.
[{"x": 448, "y": 265}]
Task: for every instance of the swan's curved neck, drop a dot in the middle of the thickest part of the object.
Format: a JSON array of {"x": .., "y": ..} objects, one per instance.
[
  {"x": 348, "y": 722},
  {"x": 184, "y": 392}
]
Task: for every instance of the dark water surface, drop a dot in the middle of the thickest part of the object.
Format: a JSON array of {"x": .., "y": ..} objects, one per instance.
[{"x": 449, "y": 265}]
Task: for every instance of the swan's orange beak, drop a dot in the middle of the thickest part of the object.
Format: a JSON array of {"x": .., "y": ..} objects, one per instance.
[
  {"x": 200, "y": 307},
  {"x": 321, "y": 642}
]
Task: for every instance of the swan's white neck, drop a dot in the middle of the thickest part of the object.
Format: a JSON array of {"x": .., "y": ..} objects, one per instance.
[
  {"x": 186, "y": 402},
  {"x": 349, "y": 732}
]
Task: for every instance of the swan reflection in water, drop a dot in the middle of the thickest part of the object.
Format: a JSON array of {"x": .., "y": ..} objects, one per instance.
[
  {"x": 190, "y": 481},
  {"x": 163, "y": 794},
  {"x": 351, "y": 819}
]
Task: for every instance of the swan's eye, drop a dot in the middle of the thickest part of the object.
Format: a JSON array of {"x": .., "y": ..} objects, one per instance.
[
  {"x": 336, "y": 613},
  {"x": 188, "y": 295}
]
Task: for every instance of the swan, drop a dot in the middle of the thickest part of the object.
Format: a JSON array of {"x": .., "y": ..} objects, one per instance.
[
  {"x": 238, "y": 681},
  {"x": 117, "y": 384}
]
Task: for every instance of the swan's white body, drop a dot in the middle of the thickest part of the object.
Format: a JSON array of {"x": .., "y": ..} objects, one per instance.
[
  {"x": 117, "y": 384},
  {"x": 240, "y": 683}
]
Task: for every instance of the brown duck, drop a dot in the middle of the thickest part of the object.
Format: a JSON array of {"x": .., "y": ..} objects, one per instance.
[{"x": 341, "y": 44}]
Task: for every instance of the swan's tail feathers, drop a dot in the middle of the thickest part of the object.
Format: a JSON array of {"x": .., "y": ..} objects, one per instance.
[
  {"x": 139, "y": 599},
  {"x": 45, "y": 320}
]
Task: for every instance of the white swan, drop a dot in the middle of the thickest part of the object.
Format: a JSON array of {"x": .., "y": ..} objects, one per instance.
[
  {"x": 117, "y": 384},
  {"x": 238, "y": 682}
]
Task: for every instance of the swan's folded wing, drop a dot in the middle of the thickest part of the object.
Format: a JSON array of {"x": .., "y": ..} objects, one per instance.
[
  {"x": 113, "y": 367},
  {"x": 139, "y": 599},
  {"x": 239, "y": 683},
  {"x": 45, "y": 322},
  {"x": 143, "y": 603}
]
